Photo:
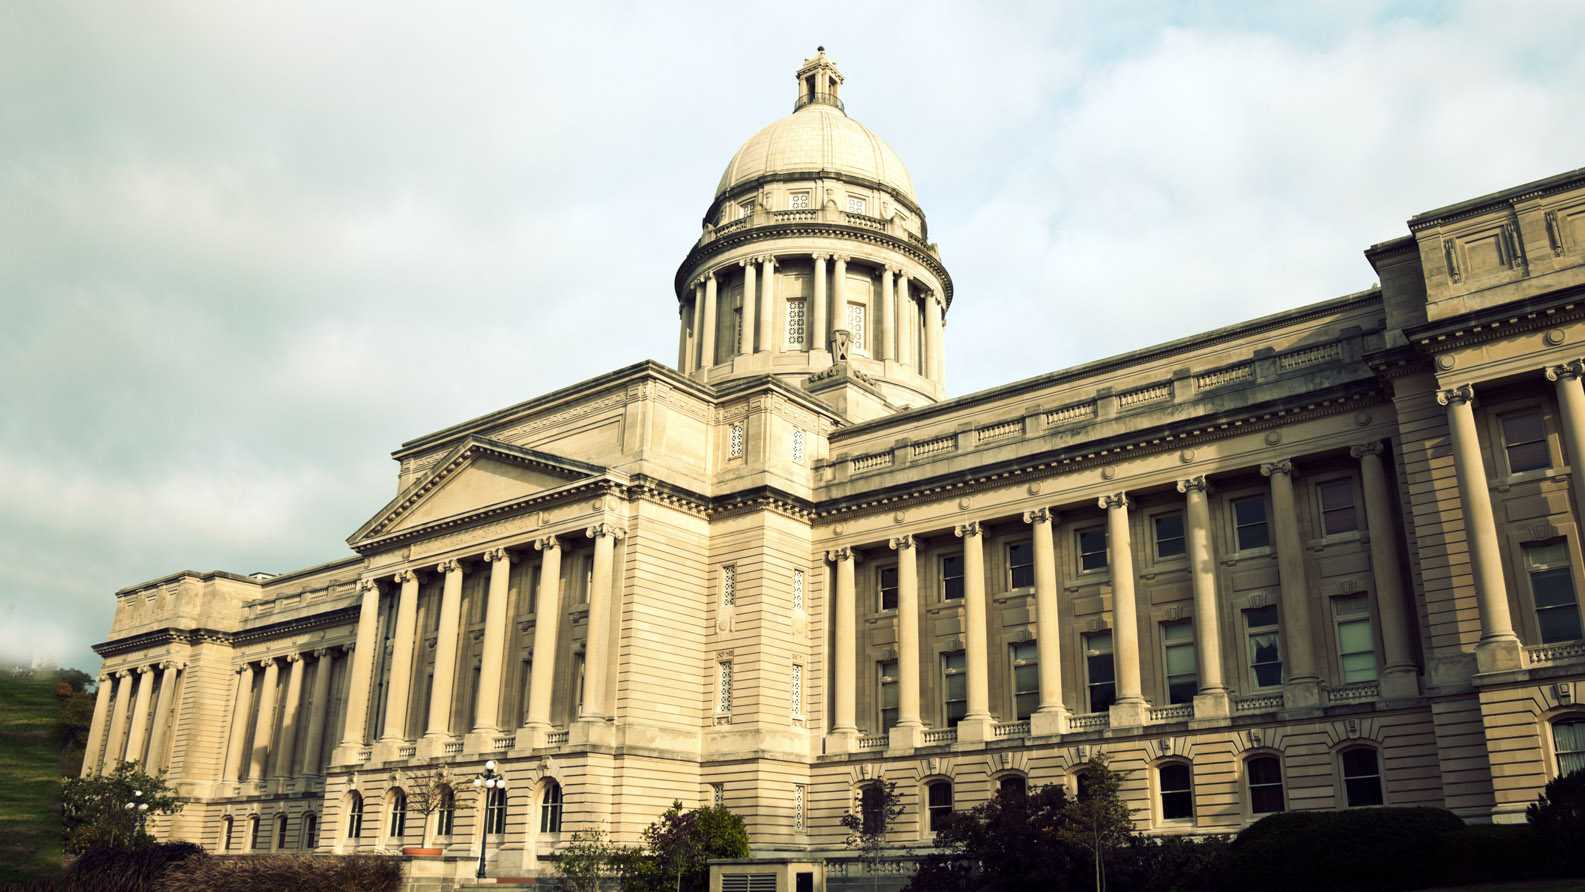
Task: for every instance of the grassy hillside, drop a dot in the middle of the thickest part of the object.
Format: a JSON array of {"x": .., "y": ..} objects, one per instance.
[{"x": 35, "y": 750}]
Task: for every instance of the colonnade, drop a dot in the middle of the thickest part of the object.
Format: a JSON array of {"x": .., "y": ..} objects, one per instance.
[
  {"x": 136, "y": 733},
  {"x": 1302, "y": 675},
  {"x": 268, "y": 756}
]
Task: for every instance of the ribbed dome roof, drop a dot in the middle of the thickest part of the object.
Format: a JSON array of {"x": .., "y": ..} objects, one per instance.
[{"x": 818, "y": 138}]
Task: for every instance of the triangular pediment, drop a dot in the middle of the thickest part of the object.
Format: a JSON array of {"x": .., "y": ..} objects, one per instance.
[{"x": 478, "y": 474}]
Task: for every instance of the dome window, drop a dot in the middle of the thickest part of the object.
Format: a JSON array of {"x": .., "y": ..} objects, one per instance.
[
  {"x": 857, "y": 204},
  {"x": 798, "y": 201}
]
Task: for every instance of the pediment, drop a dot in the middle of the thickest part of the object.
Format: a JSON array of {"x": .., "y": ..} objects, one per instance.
[{"x": 476, "y": 475}]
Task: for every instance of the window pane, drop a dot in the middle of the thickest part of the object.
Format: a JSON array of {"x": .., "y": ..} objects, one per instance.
[
  {"x": 1522, "y": 427},
  {"x": 1363, "y": 791},
  {"x": 1012, "y": 786},
  {"x": 1545, "y": 555},
  {"x": 1249, "y": 520},
  {"x": 952, "y": 577},
  {"x": 1092, "y": 549},
  {"x": 1354, "y": 636},
  {"x": 1359, "y": 761},
  {"x": 1169, "y": 535},
  {"x": 1552, "y": 587},
  {"x": 1180, "y": 660},
  {"x": 1558, "y": 624},
  {"x": 1258, "y": 617},
  {"x": 1359, "y": 667},
  {"x": 1337, "y": 507},
  {"x": 888, "y": 588},
  {"x": 1264, "y": 770},
  {"x": 1528, "y": 457},
  {"x": 1021, "y": 564}
]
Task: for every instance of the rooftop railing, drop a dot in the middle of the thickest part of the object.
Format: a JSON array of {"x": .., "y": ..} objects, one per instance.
[{"x": 820, "y": 99}]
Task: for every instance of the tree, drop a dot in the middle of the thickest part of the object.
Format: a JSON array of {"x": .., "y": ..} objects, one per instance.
[
  {"x": 1098, "y": 821},
  {"x": 681, "y": 845},
  {"x": 427, "y": 790},
  {"x": 105, "y": 809},
  {"x": 1558, "y": 817},
  {"x": 877, "y": 808},
  {"x": 1011, "y": 843},
  {"x": 588, "y": 858}
]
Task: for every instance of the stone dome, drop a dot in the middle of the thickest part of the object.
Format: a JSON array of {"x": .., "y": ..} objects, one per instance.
[{"x": 818, "y": 138}]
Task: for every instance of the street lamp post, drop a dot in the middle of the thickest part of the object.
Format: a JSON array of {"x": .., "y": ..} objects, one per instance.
[
  {"x": 488, "y": 782},
  {"x": 139, "y": 808}
]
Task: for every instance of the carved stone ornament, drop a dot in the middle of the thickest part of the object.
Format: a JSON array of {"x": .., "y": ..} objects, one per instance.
[
  {"x": 1033, "y": 489},
  {"x": 1192, "y": 484},
  {"x": 963, "y": 504},
  {"x": 898, "y": 543},
  {"x": 495, "y": 554},
  {"x": 897, "y": 517},
  {"x": 1113, "y": 500},
  {"x": 1108, "y": 472},
  {"x": 603, "y": 529},
  {"x": 1037, "y": 515},
  {"x": 837, "y": 555},
  {"x": 449, "y": 566},
  {"x": 1362, "y": 419},
  {"x": 1186, "y": 456},
  {"x": 1554, "y": 337},
  {"x": 1273, "y": 438},
  {"x": 1445, "y": 362},
  {"x": 546, "y": 543},
  {"x": 1364, "y": 449},
  {"x": 965, "y": 530},
  {"x": 1284, "y": 467},
  {"x": 1572, "y": 370},
  {"x": 403, "y": 577},
  {"x": 841, "y": 344},
  {"x": 367, "y": 584},
  {"x": 1453, "y": 396}
]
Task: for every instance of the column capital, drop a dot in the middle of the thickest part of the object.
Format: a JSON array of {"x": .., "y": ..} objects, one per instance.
[
  {"x": 967, "y": 529},
  {"x": 265, "y": 662},
  {"x": 841, "y": 258},
  {"x": 1112, "y": 500},
  {"x": 1193, "y": 484},
  {"x": 106, "y": 677},
  {"x": 1463, "y": 393},
  {"x": 148, "y": 668},
  {"x": 1573, "y": 369},
  {"x": 709, "y": 275},
  {"x": 403, "y": 577},
  {"x": 123, "y": 673},
  {"x": 547, "y": 543},
  {"x": 495, "y": 554},
  {"x": 1039, "y": 515},
  {"x": 821, "y": 256},
  {"x": 1272, "y": 468},
  {"x": 244, "y": 666},
  {"x": 899, "y": 543},
  {"x": 604, "y": 529},
  {"x": 1364, "y": 449},
  {"x": 294, "y": 658},
  {"x": 368, "y": 583},
  {"x": 838, "y": 555},
  {"x": 321, "y": 652},
  {"x": 767, "y": 259},
  {"x": 448, "y": 566}
]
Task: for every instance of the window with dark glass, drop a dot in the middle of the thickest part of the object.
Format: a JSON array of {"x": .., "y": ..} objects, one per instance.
[
  {"x": 1086, "y": 783},
  {"x": 355, "y": 817},
  {"x": 886, "y": 671},
  {"x": 280, "y": 832},
  {"x": 1026, "y": 679},
  {"x": 954, "y": 687},
  {"x": 886, "y": 582},
  {"x": 1100, "y": 671},
  {"x": 310, "y": 831},
  {"x": 1012, "y": 786},
  {"x": 1021, "y": 564},
  {"x": 1169, "y": 534},
  {"x": 1264, "y": 774},
  {"x": 495, "y": 811},
  {"x": 1337, "y": 507},
  {"x": 1250, "y": 529},
  {"x": 872, "y": 805},
  {"x": 398, "y": 817},
  {"x": 1177, "y": 791},
  {"x": 446, "y": 815},
  {"x": 549, "y": 809},
  {"x": 952, "y": 577},
  {"x": 1568, "y": 742},
  {"x": 1092, "y": 548},
  {"x": 940, "y": 798},
  {"x": 1524, "y": 441},
  {"x": 1177, "y": 642},
  {"x": 1362, "y": 776},
  {"x": 1552, "y": 585},
  {"x": 1265, "y": 646},
  {"x": 225, "y": 838}
]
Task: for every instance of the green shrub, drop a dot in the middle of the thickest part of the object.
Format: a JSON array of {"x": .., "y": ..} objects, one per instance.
[
  {"x": 1488, "y": 853},
  {"x": 1361, "y": 849},
  {"x": 1168, "y": 864},
  {"x": 297, "y": 873}
]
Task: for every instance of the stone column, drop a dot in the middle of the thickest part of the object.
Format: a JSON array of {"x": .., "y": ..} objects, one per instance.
[
  {"x": 1052, "y": 716},
  {"x": 745, "y": 346},
  {"x": 1499, "y": 648},
  {"x": 103, "y": 699},
  {"x": 844, "y": 685},
  {"x": 818, "y": 323},
  {"x": 264, "y": 724},
  {"x": 354, "y": 733},
  {"x": 597, "y": 648},
  {"x": 1211, "y": 702},
  {"x": 116, "y": 745},
  {"x": 154, "y": 758},
  {"x": 909, "y": 730},
  {"x": 241, "y": 705},
  {"x": 839, "y": 294},
  {"x": 1399, "y": 677},
  {"x": 1571, "y": 409},
  {"x": 707, "y": 332},
  {"x": 768, "y": 309},
  {"x": 319, "y": 710},
  {"x": 933, "y": 341},
  {"x": 905, "y": 320},
  {"x": 682, "y": 338},
  {"x": 976, "y": 723},
  {"x": 547, "y": 619},
  {"x": 1130, "y": 710},
  {"x": 286, "y": 747},
  {"x": 437, "y": 726},
  {"x": 884, "y": 345},
  {"x": 399, "y": 685},
  {"x": 140, "y": 713},
  {"x": 1301, "y": 687},
  {"x": 487, "y": 717}
]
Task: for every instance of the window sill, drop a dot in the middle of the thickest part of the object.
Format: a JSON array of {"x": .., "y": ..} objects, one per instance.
[{"x": 1248, "y": 554}]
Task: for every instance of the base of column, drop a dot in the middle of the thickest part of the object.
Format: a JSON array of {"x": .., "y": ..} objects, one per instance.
[
  {"x": 533, "y": 737},
  {"x": 1399, "y": 684},
  {"x": 1128, "y": 714},
  {"x": 596, "y": 731},
  {"x": 1301, "y": 695},
  {"x": 845, "y": 740},
  {"x": 905, "y": 737},
  {"x": 1504, "y": 654},
  {"x": 481, "y": 740},
  {"x": 1046, "y": 722},
  {"x": 433, "y": 745},
  {"x": 976, "y": 728},
  {"x": 1211, "y": 708},
  {"x": 388, "y": 750}
]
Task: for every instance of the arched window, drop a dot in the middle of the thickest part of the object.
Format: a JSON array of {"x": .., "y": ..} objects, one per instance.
[
  {"x": 550, "y": 808},
  {"x": 253, "y": 832},
  {"x": 310, "y": 831},
  {"x": 495, "y": 810},
  {"x": 939, "y": 796},
  {"x": 1568, "y": 741},
  {"x": 397, "y": 821},
  {"x": 872, "y": 807},
  {"x": 1264, "y": 777},
  {"x": 280, "y": 831},
  {"x": 354, "y": 815},
  {"x": 446, "y": 815},
  {"x": 1175, "y": 782},
  {"x": 1362, "y": 776},
  {"x": 227, "y": 825},
  {"x": 1012, "y": 786}
]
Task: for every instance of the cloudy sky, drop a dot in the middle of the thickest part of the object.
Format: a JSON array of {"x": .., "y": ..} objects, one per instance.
[{"x": 248, "y": 248}]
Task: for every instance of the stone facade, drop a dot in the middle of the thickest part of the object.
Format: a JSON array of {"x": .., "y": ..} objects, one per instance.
[{"x": 1322, "y": 559}]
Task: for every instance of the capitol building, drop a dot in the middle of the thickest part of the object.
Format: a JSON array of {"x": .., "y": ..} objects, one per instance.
[{"x": 1328, "y": 558}]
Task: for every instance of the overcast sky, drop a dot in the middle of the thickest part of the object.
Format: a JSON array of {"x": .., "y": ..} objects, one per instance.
[{"x": 248, "y": 248}]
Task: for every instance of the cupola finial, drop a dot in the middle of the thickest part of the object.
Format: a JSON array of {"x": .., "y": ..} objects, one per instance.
[{"x": 819, "y": 81}]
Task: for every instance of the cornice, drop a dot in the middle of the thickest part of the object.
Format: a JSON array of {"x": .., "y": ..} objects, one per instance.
[
  {"x": 1501, "y": 321},
  {"x": 539, "y": 500},
  {"x": 1474, "y": 207},
  {"x": 763, "y": 498},
  {"x": 174, "y": 635}
]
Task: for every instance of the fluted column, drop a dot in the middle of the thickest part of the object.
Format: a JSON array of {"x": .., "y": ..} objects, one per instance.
[
  {"x": 116, "y": 745},
  {"x": 487, "y": 717},
  {"x": 140, "y": 713},
  {"x": 597, "y": 648},
  {"x": 1571, "y": 409},
  {"x": 818, "y": 323},
  {"x": 682, "y": 338},
  {"x": 1051, "y": 717},
  {"x": 437, "y": 727},
  {"x": 905, "y": 320},
  {"x": 241, "y": 706},
  {"x": 264, "y": 724},
  {"x": 286, "y": 747},
  {"x": 355, "y": 729},
  {"x": 707, "y": 332},
  {"x": 163, "y": 703},
  {"x": 908, "y": 732},
  {"x": 933, "y": 341},
  {"x": 845, "y": 648},
  {"x": 769, "y": 311},
  {"x": 1399, "y": 677},
  {"x": 839, "y": 295},
  {"x": 745, "y": 345},
  {"x": 885, "y": 344},
  {"x": 547, "y": 618},
  {"x": 1130, "y": 709},
  {"x": 1301, "y": 683},
  {"x": 95, "y": 750},
  {"x": 1211, "y": 701},
  {"x": 403, "y": 645},
  {"x": 319, "y": 710},
  {"x": 976, "y": 722},
  {"x": 1499, "y": 648}
]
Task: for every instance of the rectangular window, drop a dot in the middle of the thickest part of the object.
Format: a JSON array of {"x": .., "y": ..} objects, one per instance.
[
  {"x": 1177, "y": 641},
  {"x": 1169, "y": 534},
  {"x": 729, "y": 585},
  {"x": 737, "y": 331},
  {"x": 798, "y": 590},
  {"x": 796, "y": 695},
  {"x": 856, "y": 204},
  {"x": 746, "y": 209},
  {"x": 1337, "y": 507},
  {"x": 1026, "y": 680},
  {"x": 1100, "y": 672},
  {"x": 954, "y": 687},
  {"x": 1552, "y": 585},
  {"x": 1021, "y": 564},
  {"x": 723, "y": 700},
  {"x": 798, "y": 446},
  {"x": 1524, "y": 441},
  {"x": 1265, "y": 648},
  {"x": 1250, "y": 529},
  {"x": 735, "y": 441},
  {"x": 855, "y": 321},
  {"x": 886, "y": 581},
  {"x": 797, "y": 327},
  {"x": 886, "y": 680},
  {"x": 1356, "y": 645},
  {"x": 798, "y": 201},
  {"x": 1092, "y": 549},
  {"x": 952, "y": 577}
]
